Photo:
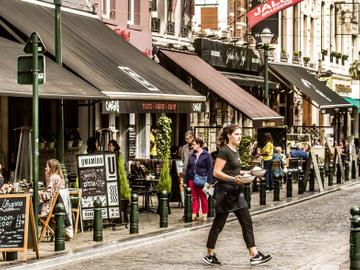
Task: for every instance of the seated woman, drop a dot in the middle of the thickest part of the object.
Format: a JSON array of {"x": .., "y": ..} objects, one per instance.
[{"x": 54, "y": 182}]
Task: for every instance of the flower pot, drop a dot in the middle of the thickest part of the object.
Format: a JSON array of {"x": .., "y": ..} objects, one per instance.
[
  {"x": 124, "y": 210},
  {"x": 68, "y": 144},
  {"x": 42, "y": 145}
]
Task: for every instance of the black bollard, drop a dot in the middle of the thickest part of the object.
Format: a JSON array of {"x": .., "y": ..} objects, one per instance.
[
  {"x": 188, "y": 205},
  {"x": 301, "y": 183},
  {"x": 59, "y": 227},
  {"x": 347, "y": 170},
  {"x": 97, "y": 223},
  {"x": 338, "y": 174},
  {"x": 353, "y": 170},
  {"x": 262, "y": 191},
  {"x": 277, "y": 180},
  {"x": 312, "y": 179},
  {"x": 322, "y": 174},
  {"x": 289, "y": 184},
  {"x": 247, "y": 194},
  {"x": 331, "y": 176},
  {"x": 134, "y": 214},
  {"x": 164, "y": 210},
  {"x": 211, "y": 206},
  {"x": 355, "y": 238}
]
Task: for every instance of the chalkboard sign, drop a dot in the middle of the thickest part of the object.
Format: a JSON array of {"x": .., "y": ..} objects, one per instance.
[
  {"x": 98, "y": 179},
  {"x": 92, "y": 181},
  {"x": 16, "y": 218}
]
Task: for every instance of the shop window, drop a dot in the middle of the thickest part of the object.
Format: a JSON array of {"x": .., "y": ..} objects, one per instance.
[
  {"x": 108, "y": 9},
  {"x": 134, "y": 12}
]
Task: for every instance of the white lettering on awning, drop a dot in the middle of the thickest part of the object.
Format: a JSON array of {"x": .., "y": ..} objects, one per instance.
[
  {"x": 139, "y": 79},
  {"x": 310, "y": 85}
]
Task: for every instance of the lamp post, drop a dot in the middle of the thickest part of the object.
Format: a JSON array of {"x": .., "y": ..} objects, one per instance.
[{"x": 266, "y": 37}]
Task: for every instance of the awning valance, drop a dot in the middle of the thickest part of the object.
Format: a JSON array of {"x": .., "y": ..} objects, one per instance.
[
  {"x": 316, "y": 91},
  {"x": 222, "y": 86},
  {"x": 249, "y": 80},
  {"x": 98, "y": 55}
]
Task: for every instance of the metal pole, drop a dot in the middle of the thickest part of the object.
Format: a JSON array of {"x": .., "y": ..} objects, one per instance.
[
  {"x": 60, "y": 104},
  {"x": 164, "y": 209},
  {"x": 60, "y": 227},
  {"x": 266, "y": 66},
  {"x": 35, "y": 125}
]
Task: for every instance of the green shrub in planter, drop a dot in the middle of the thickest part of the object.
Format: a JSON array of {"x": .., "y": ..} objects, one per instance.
[
  {"x": 244, "y": 151},
  {"x": 165, "y": 177},
  {"x": 125, "y": 191}
]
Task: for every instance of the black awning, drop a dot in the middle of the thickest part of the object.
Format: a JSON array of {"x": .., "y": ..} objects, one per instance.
[
  {"x": 233, "y": 94},
  {"x": 316, "y": 91},
  {"x": 60, "y": 83},
  {"x": 249, "y": 80},
  {"x": 93, "y": 51}
]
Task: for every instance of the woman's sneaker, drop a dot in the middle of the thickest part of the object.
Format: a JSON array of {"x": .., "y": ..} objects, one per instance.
[
  {"x": 259, "y": 258},
  {"x": 211, "y": 259}
]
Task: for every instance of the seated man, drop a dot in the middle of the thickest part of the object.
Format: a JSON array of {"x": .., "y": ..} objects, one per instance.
[{"x": 298, "y": 152}]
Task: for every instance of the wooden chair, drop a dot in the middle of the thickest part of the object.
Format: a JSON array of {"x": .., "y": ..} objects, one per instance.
[
  {"x": 48, "y": 221},
  {"x": 75, "y": 197}
]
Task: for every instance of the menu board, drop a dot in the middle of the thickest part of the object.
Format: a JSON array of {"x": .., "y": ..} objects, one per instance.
[
  {"x": 16, "y": 219},
  {"x": 12, "y": 222},
  {"x": 132, "y": 143},
  {"x": 93, "y": 181},
  {"x": 98, "y": 179}
]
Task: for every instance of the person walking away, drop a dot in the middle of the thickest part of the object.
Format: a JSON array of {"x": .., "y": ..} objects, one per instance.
[
  {"x": 229, "y": 197},
  {"x": 200, "y": 164},
  {"x": 267, "y": 152}
]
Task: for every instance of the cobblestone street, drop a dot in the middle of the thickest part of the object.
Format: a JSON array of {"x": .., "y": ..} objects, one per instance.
[{"x": 310, "y": 235}]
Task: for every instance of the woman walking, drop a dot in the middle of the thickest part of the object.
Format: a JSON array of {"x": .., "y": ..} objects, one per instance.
[
  {"x": 200, "y": 166},
  {"x": 229, "y": 197}
]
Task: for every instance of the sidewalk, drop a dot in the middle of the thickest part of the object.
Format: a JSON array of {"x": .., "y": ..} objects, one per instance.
[{"x": 82, "y": 246}]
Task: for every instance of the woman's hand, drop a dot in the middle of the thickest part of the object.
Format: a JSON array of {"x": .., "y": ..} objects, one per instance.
[{"x": 238, "y": 180}]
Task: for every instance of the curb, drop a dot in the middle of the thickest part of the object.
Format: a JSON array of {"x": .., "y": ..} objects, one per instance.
[{"x": 78, "y": 255}]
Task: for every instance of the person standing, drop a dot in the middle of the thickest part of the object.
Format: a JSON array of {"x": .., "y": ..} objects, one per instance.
[
  {"x": 113, "y": 146},
  {"x": 201, "y": 164},
  {"x": 267, "y": 153},
  {"x": 153, "y": 148},
  {"x": 186, "y": 150},
  {"x": 229, "y": 197}
]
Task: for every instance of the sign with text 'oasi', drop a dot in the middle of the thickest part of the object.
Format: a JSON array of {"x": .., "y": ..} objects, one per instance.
[
  {"x": 25, "y": 69},
  {"x": 17, "y": 224}
]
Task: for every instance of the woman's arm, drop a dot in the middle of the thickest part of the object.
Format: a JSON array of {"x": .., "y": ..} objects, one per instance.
[{"x": 210, "y": 168}]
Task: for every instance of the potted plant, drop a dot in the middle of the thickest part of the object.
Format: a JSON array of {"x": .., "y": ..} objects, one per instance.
[
  {"x": 306, "y": 60},
  {"x": 77, "y": 138},
  {"x": 50, "y": 141},
  {"x": 324, "y": 52},
  {"x": 42, "y": 142},
  {"x": 344, "y": 57},
  {"x": 124, "y": 188},
  {"x": 68, "y": 138},
  {"x": 354, "y": 70},
  {"x": 283, "y": 55},
  {"x": 163, "y": 142},
  {"x": 296, "y": 56},
  {"x": 337, "y": 56},
  {"x": 244, "y": 151},
  {"x": 333, "y": 55}
]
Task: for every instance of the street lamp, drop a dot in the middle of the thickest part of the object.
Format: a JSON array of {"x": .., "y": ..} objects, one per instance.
[{"x": 266, "y": 37}]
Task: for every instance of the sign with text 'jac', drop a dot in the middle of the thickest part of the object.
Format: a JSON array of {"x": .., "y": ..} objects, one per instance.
[
  {"x": 267, "y": 9},
  {"x": 98, "y": 179}
]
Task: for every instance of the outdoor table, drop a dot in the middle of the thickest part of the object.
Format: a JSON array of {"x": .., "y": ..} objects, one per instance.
[{"x": 146, "y": 188}]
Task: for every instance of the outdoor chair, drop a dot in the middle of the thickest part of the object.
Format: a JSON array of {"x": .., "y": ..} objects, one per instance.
[{"x": 48, "y": 222}]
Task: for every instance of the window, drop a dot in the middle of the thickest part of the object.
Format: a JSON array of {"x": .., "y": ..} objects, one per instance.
[
  {"x": 108, "y": 9},
  {"x": 134, "y": 12}
]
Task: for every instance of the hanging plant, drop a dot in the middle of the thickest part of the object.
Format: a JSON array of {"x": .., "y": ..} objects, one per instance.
[
  {"x": 244, "y": 151},
  {"x": 125, "y": 191}
]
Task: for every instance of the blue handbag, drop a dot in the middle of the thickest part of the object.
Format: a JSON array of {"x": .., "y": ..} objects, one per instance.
[{"x": 199, "y": 181}]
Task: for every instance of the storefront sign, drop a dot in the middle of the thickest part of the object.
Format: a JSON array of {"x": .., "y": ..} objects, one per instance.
[
  {"x": 342, "y": 88},
  {"x": 123, "y": 106},
  {"x": 268, "y": 9}
]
